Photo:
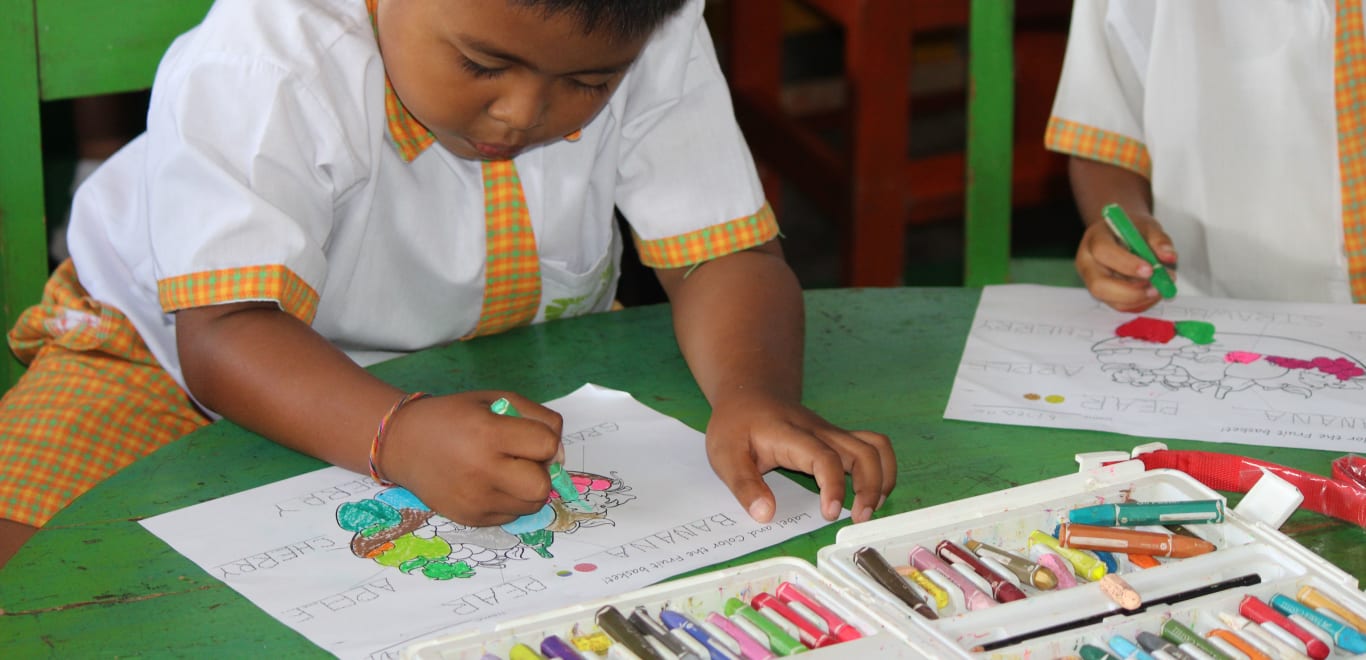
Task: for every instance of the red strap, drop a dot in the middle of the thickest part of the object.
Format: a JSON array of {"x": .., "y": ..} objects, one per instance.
[{"x": 1343, "y": 496}]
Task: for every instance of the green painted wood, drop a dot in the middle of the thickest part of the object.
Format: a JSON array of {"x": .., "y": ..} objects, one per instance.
[
  {"x": 94, "y": 47},
  {"x": 58, "y": 49},
  {"x": 991, "y": 97},
  {"x": 95, "y": 583},
  {"x": 23, "y": 238}
]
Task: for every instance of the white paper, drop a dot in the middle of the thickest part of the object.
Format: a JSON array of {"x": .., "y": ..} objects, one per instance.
[
  {"x": 1047, "y": 356},
  {"x": 662, "y": 512}
]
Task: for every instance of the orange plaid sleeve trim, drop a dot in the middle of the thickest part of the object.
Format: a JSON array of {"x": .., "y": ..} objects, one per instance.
[
  {"x": 709, "y": 243},
  {"x": 213, "y": 287},
  {"x": 1349, "y": 82},
  {"x": 1084, "y": 141}
]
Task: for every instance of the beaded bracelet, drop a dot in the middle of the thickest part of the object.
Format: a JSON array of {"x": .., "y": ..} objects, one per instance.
[{"x": 379, "y": 435}]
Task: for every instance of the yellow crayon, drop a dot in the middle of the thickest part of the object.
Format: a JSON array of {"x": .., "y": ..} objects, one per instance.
[
  {"x": 524, "y": 652},
  {"x": 941, "y": 597},
  {"x": 1083, "y": 564}
]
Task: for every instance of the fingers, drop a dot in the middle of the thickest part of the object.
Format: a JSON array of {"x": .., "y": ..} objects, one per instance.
[
  {"x": 886, "y": 459},
  {"x": 828, "y": 453},
  {"x": 734, "y": 464},
  {"x": 528, "y": 409},
  {"x": 1114, "y": 275},
  {"x": 1160, "y": 242},
  {"x": 869, "y": 460}
]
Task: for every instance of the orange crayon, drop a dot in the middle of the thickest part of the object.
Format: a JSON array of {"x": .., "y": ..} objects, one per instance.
[
  {"x": 1143, "y": 561},
  {"x": 1118, "y": 539}
]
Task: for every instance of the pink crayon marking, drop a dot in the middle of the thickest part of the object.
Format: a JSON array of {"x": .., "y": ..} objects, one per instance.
[
  {"x": 1060, "y": 569},
  {"x": 1242, "y": 357}
]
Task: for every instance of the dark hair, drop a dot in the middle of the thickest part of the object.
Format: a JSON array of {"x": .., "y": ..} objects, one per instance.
[{"x": 623, "y": 19}]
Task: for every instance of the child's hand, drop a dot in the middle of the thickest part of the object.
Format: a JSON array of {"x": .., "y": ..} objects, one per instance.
[
  {"x": 748, "y": 436},
  {"x": 468, "y": 463},
  {"x": 1116, "y": 276}
]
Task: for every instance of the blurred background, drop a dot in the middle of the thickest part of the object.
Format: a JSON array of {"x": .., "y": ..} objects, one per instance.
[{"x": 805, "y": 47}]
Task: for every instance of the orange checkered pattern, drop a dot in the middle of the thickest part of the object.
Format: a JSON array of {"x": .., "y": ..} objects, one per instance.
[
  {"x": 410, "y": 136},
  {"x": 709, "y": 243},
  {"x": 1084, "y": 141},
  {"x": 92, "y": 401},
  {"x": 277, "y": 283},
  {"x": 512, "y": 267},
  {"x": 1349, "y": 82}
]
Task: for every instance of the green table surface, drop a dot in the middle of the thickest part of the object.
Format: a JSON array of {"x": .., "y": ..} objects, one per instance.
[{"x": 95, "y": 583}]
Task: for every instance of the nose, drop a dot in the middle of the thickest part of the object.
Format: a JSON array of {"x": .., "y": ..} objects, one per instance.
[{"x": 521, "y": 105}]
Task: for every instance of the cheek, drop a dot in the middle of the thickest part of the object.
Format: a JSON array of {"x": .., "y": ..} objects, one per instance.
[{"x": 572, "y": 109}]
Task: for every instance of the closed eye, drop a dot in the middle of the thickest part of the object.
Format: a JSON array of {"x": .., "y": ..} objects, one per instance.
[{"x": 478, "y": 70}]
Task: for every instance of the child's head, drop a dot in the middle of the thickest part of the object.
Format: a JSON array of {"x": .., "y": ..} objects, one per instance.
[{"x": 490, "y": 78}]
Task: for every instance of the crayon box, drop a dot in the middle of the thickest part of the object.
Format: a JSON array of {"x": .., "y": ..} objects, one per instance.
[{"x": 1079, "y": 615}]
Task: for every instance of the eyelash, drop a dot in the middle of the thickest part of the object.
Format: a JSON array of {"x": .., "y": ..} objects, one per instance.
[
  {"x": 591, "y": 90},
  {"x": 479, "y": 71}
]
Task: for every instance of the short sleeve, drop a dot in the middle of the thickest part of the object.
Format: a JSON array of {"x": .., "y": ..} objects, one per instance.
[
  {"x": 243, "y": 163},
  {"x": 686, "y": 180},
  {"x": 1098, "y": 110}
]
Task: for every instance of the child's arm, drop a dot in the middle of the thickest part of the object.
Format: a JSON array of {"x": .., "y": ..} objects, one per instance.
[
  {"x": 739, "y": 321},
  {"x": 1113, "y": 274},
  {"x": 272, "y": 373}
]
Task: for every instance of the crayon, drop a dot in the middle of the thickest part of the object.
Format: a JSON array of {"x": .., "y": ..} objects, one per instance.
[{"x": 1161, "y": 544}]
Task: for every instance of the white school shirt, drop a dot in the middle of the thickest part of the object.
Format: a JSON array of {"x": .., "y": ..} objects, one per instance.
[
  {"x": 1227, "y": 106},
  {"x": 268, "y": 172}
]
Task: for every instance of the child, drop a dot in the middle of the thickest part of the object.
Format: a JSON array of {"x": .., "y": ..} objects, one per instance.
[
  {"x": 1229, "y": 131},
  {"x": 299, "y": 205}
]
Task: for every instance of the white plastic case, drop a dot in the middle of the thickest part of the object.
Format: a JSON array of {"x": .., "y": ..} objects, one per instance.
[
  {"x": 695, "y": 596},
  {"x": 1003, "y": 519}
]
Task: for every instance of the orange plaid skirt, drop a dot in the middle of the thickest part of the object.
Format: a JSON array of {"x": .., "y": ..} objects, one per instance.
[{"x": 92, "y": 401}]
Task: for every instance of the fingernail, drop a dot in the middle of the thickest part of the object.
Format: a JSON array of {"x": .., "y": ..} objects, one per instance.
[
  {"x": 1152, "y": 292},
  {"x": 760, "y": 510},
  {"x": 831, "y": 510},
  {"x": 881, "y": 501},
  {"x": 1145, "y": 271},
  {"x": 866, "y": 514}
]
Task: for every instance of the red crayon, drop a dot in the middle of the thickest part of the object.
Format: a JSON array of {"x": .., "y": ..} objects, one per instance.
[
  {"x": 1254, "y": 608},
  {"x": 838, "y": 627},
  {"x": 1001, "y": 589},
  {"x": 811, "y": 636}
]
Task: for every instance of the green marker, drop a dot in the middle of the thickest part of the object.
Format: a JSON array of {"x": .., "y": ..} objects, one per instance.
[
  {"x": 1124, "y": 228},
  {"x": 559, "y": 477},
  {"x": 1090, "y": 652},
  {"x": 778, "y": 639}
]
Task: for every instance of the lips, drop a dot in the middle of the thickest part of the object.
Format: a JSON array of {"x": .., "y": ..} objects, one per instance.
[{"x": 496, "y": 151}]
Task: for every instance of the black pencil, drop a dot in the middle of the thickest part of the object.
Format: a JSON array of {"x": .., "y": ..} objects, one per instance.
[{"x": 1214, "y": 587}]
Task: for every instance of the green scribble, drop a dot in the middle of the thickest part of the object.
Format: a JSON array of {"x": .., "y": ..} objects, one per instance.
[
  {"x": 539, "y": 541},
  {"x": 447, "y": 570},
  {"x": 367, "y": 517},
  {"x": 1199, "y": 332}
]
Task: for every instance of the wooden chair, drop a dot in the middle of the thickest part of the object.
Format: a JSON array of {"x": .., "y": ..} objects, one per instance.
[
  {"x": 51, "y": 50},
  {"x": 872, "y": 188}
]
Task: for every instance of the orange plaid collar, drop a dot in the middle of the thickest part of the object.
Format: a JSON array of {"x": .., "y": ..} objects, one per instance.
[{"x": 410, "y": 137}]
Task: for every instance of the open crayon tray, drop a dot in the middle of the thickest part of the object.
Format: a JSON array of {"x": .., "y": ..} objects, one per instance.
[
  {"x": 1005, "y": 519},
  {"x": 695, "y": 596}
]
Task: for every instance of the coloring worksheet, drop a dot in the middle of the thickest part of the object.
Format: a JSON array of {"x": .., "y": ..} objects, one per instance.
[
  {"x": 1261, "y": 373},
  {"x": 364, "y": 570}
]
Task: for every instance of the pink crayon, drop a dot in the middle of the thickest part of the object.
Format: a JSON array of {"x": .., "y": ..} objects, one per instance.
[{"x": 925, "y": 560}]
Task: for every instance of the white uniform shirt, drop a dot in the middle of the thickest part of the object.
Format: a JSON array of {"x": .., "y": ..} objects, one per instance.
[
  {"x": 1227, "y": 106},
  {"x": 268, "y": 172}
]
